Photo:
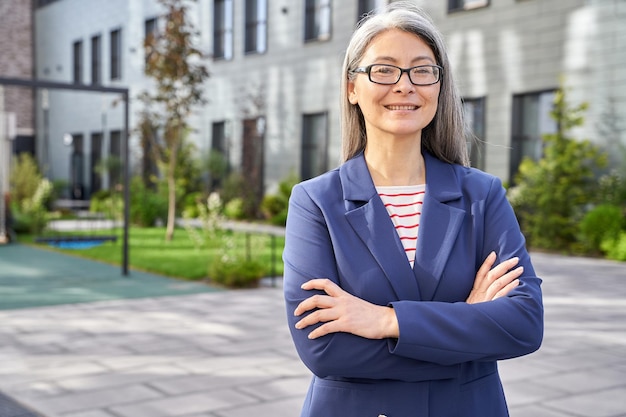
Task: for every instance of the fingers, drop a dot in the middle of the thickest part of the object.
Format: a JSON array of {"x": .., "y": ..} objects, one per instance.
[
  {"x": 503, "y": 285},
  {"x": 486, "y": 266}
]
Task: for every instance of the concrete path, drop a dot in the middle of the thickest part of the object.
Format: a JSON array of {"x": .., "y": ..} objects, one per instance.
[{"x": 229, "y": 354}]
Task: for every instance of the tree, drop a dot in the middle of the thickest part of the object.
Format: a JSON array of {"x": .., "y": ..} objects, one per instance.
[
  {"x": 177, "y": 68},
  {"x": 553, "y": 192}
]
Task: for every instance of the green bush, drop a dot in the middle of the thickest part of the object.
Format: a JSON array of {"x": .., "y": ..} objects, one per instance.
[
  {"x": 615, "y": 248},
  {"x": 24, "y": 178},
  {"x": 234, "y": 209},
  {"x": 274, "y": 206},
  {"x": 146, "y": 205},
  {"x": 235, "y": 272},
  {"x": 603, "y": 222},
  {"x": 551, "y": 193},
  {"x": 107, "y": 203}
]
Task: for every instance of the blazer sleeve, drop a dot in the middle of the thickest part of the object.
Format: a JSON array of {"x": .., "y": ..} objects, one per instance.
[
  {"x": 511, "y": 326},
  {"x": 308, "y": 254}
]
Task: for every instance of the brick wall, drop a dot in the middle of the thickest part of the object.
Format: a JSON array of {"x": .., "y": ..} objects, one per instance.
[{"x": 16, "y": 60}]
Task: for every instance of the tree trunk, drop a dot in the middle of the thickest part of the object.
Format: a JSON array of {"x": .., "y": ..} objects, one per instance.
[{"x": 171, "y": 193}]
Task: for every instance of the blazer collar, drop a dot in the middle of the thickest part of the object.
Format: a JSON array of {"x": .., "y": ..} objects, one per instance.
[
  {"x": 357, "y": 182},
  {"x": 438, "y": 230}
]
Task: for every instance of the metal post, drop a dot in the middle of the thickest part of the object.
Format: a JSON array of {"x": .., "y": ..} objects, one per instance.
[
  {"x": 126, "y": 187},
  {"x": 273, "y": 260}
]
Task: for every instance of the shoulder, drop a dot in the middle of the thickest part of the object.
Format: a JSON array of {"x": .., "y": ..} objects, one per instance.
[{"x": 323, "y": 186}]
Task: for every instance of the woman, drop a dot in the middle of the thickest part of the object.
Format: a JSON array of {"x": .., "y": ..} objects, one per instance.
[{"x": 392, "y": 300}]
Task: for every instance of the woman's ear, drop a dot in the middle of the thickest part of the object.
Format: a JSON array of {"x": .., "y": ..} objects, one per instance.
[{"x": 352, "y": 95}]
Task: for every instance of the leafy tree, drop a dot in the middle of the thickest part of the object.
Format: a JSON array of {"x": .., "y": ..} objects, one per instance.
[
  {"x": 552, "y": 192},
  {"x": 177, "y": 68}
]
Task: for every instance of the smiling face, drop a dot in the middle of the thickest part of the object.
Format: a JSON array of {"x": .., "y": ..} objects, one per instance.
[{"x": 401, "y": 110}]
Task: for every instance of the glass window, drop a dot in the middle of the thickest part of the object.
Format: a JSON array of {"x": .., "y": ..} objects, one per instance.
[
  {"x": 116, "y": 54},
  {"x": 115, "y": 158},
  {"x": 95, "y": 160},
  {"x": 475, "y": 116},
  {"x": 314, "y": 149},
  {"x": 77, "y": 57},
  {"x": 456, "y": 5},
  {"x": 96, "y": 59},
  {"x": 223, "y": 29},
  {"x": 531, "y": 120},
  {"x": 317, "y": 19},
  {"x": 77, "y": 168},
  {"x": 256, "y": 26},
  {"x": 149, "y": 29},
  {"x": 367, "y": 6}
]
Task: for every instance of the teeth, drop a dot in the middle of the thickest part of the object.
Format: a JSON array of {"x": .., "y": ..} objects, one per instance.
[{"x": 401, "y": 107}]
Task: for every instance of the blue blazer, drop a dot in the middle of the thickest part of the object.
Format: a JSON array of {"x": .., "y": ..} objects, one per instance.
[{"x": 444, "y": 362}]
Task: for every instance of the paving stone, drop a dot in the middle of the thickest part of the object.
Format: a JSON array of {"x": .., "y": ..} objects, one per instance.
[{"x": 607, "y": 403}]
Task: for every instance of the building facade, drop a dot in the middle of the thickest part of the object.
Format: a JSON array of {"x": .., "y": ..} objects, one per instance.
[{"x": 273, "y": 93}]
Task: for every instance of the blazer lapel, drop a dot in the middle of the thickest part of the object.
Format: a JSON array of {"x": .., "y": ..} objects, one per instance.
[
  {"x": 368, "y": 217},
  {"x": 439, "y": 226}
]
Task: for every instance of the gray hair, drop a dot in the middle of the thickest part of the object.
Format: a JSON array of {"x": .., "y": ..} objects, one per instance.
[{"x": 445, "y": 136}]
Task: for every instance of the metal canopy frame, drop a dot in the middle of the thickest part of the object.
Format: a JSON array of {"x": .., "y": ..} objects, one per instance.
[{"x": 38, "y": 84}]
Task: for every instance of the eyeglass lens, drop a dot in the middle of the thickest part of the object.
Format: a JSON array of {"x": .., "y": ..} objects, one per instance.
[{"x": 389, "y": 74}]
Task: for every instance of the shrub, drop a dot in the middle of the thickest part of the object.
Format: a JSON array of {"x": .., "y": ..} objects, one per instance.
[
  {"x": 235, "y": 272},
  {"x": 615, "y": 248},
  {"x": 109, "y": 204},
  {"x": 603, "y": 222},
  {"x": 146, "y": 205},
  {"x": 234, "y": 209},
  {"x": 24, "y": 179},
  {"x": 274, "y": 206},
  {"x": 552, "y": 192}
]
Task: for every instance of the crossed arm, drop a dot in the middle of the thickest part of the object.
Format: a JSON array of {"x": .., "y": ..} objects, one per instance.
[{"x": 340, "y": 311}]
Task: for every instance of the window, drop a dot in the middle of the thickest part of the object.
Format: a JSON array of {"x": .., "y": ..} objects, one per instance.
[
  {"x": 96, "y": 59},
  {"x": 367, "y": 6},
  {"x": 253, "y": 156},
  {"x": 256, "y": 26},
  {"x": 218, "y": 157},
  {"x": 314, "y": 145},
  {"x": 95, "y": 160},
  {"x": 77, "y": 57},
  {"x": 317, "y": 20},
  {"x": 459, "y": 5},
  {"x": 77, "y": 190},
  {"x": 223, "y": 29},
  {"x": 114, "y": 163},
  {"x": 149, "y": 29},
  {"x": 475, "y": 116},
  {"x": 116, "y": 54},
  {"x": 531, "y": 120}
]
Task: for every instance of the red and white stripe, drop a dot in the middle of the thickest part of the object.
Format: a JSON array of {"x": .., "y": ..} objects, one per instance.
[{"x": 404, "y": 205}]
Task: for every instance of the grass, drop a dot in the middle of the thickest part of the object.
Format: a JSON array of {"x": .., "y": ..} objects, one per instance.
[{"x": 187, "y": 256}]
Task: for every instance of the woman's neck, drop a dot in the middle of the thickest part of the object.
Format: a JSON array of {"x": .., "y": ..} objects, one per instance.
[{"x": 395, "y": 165}]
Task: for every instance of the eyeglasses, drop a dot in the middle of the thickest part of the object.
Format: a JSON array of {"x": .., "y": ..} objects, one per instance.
[{"x": 390, "y": 74}]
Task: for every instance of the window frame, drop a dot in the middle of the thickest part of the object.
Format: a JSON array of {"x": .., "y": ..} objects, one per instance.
[
  {"x": 466, "y": 5},
  {"x": 314, "y": 11},
  {"x": 96, "y": 59},
  {"x": 115, "y": 49},
  {"x": 476, "y": 145},
  {"x": 223, "y": 30},
  {"x": 77, "y": 61},
  {"x": 309, "y": 145},
  {"x": 257, "y": 25},
  {"x": 519, "y": 134}
]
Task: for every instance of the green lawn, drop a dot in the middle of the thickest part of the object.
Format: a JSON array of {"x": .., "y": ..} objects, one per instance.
[{"x": 184, "y": 257}]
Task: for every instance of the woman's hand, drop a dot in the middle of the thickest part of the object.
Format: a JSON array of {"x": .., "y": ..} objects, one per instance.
[
  {"x": 340, "y": 311},
  {"x": 490, "y": 284}
]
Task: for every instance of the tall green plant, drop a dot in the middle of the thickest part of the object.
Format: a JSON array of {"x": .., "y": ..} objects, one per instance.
[{"x": 552, "y": 192}]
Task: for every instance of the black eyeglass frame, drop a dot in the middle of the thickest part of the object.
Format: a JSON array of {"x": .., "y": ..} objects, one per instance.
[{"x": 368, "y": 70}]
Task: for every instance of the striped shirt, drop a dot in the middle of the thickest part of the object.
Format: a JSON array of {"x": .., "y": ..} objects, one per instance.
[{"x": 404, "y": 205}]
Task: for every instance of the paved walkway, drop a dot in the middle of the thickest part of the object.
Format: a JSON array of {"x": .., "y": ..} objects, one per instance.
[{"x": 228, "y": 354}]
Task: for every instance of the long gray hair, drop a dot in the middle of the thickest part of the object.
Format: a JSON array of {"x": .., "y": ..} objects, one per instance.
[{"x": 445, "y": 136}]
